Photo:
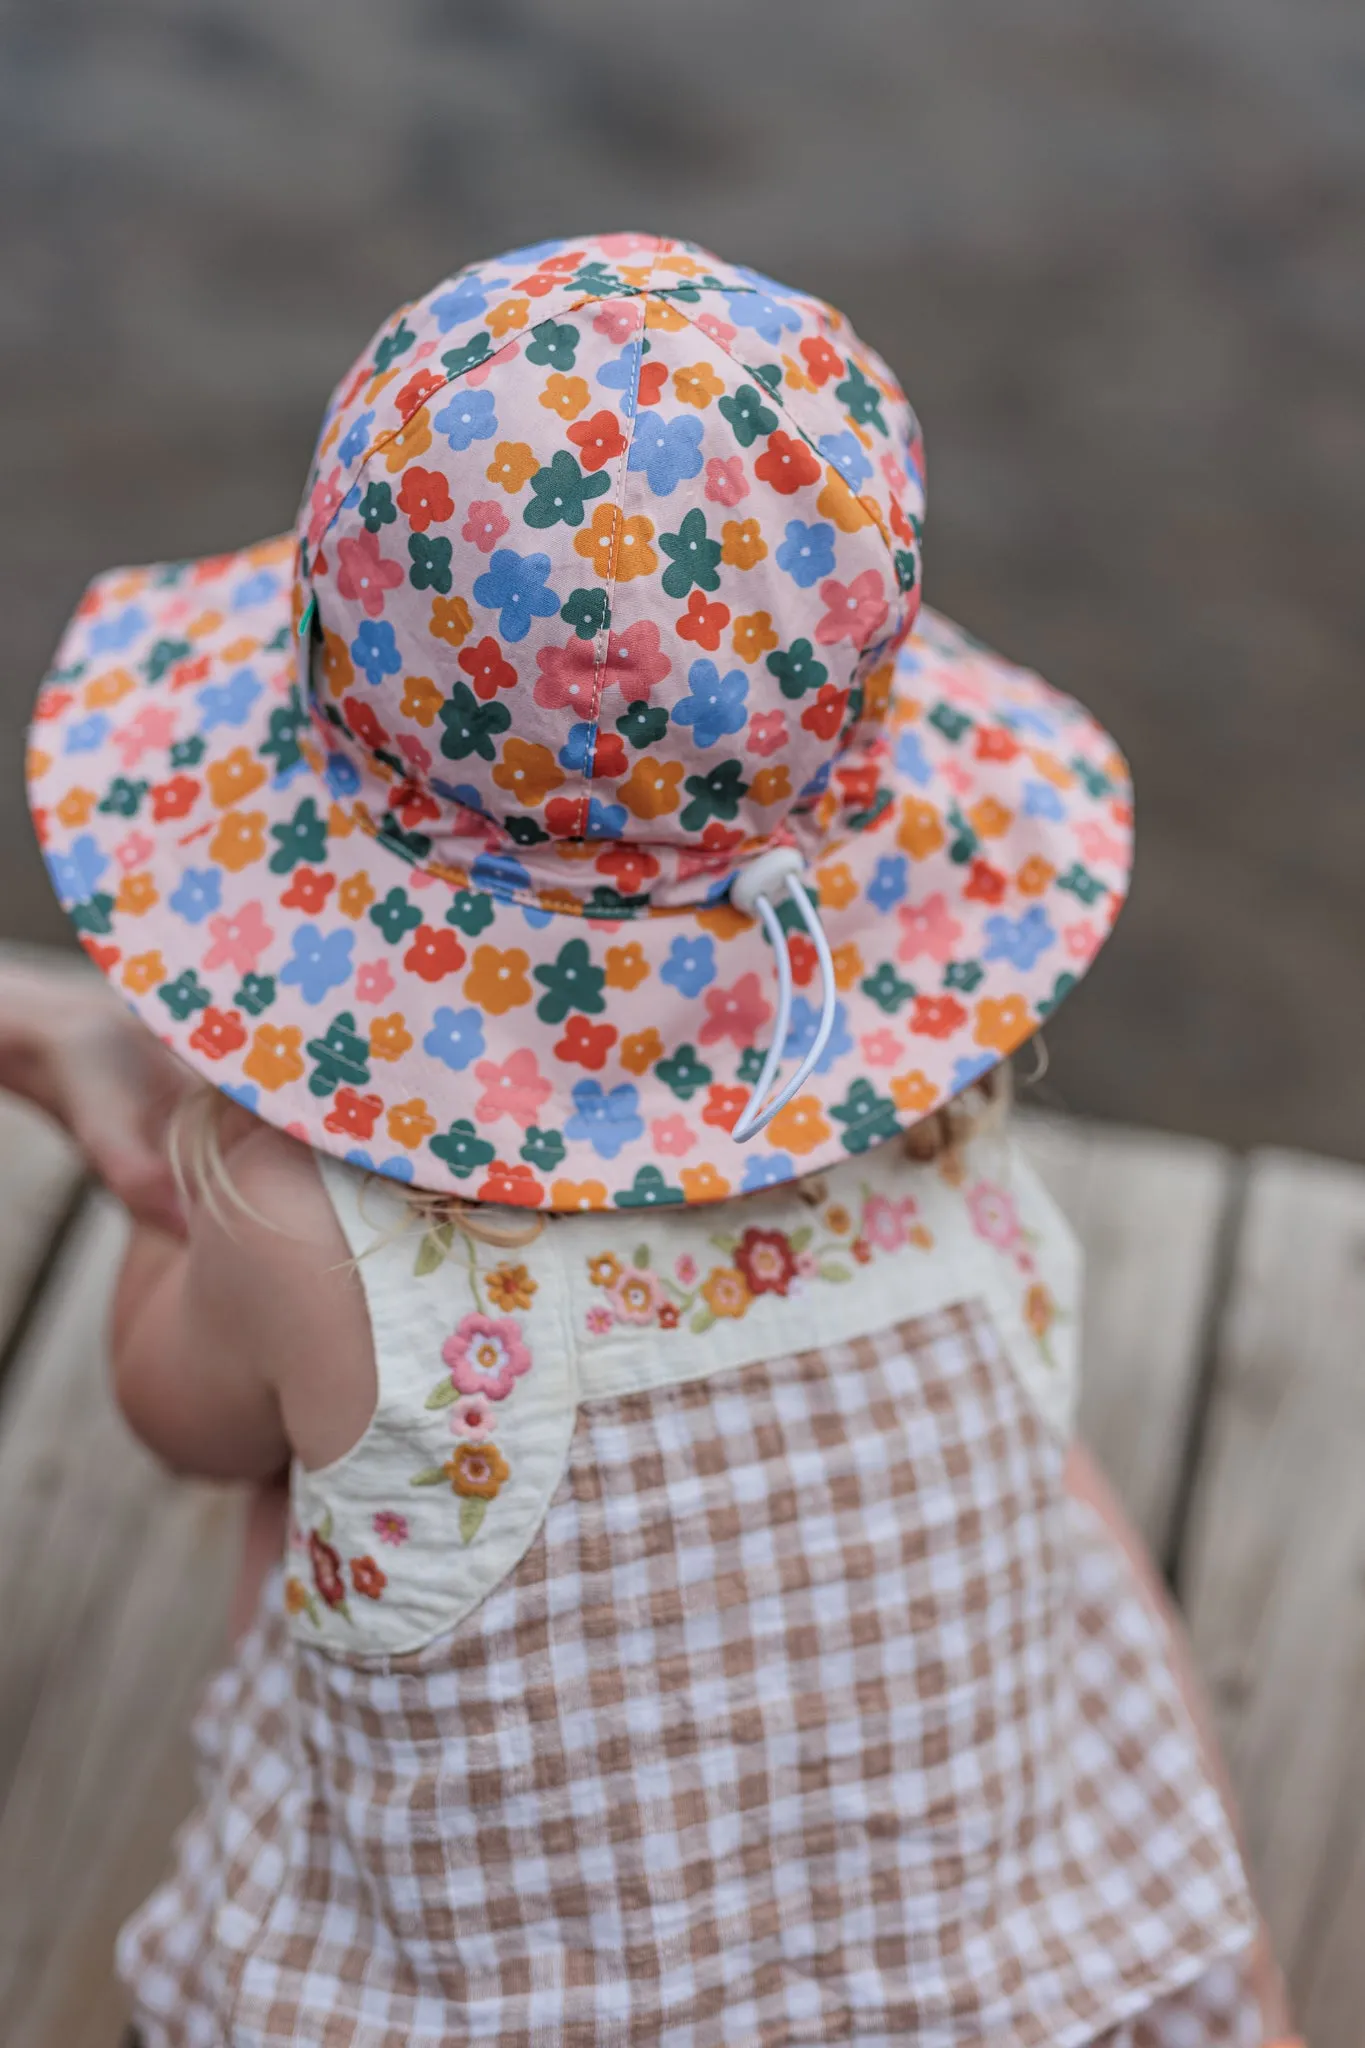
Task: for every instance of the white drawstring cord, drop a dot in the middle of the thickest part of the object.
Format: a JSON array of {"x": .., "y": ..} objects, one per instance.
[{"x": 751, "y": 892}]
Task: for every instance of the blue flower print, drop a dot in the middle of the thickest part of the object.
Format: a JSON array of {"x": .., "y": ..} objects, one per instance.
[
  {"x": 499, "y": 873},
  {"x": 76, "y": 873},
  {"x": 1042, "y": 801},
  {"x": 228, "y": 703},
  {"x": 969, "y": 1069},
  {"x": 605, "y": 821},
  {"x": 844, "y": 453},
  {"x": 245, "y": 1092},
  {"x": 515, "y": 587},
  {"x": 765, "y": 1170},
  {"x": 765, "y": 315},
  {"x": 807, "y": 553},
  {"x": 668, "y": 451},
  {"x": 716, "y": 704},
  {"x": 393, "y": 1169},
  {"x": 87, "y": 733},
  {"x": 455, "y": 1037},
  {"x": 466, "y": 300},
  {"x": 357, "y": 439},
  {"x": 111, "y": 636},
  {"x": 468, "y": 417},
  {"x": 1019, "y": 940},
  {"x": 1020, "y": 719},
  {"x": 910, "y": 759},
  {"x": 254, "y": 590},
  {"x": 890, "y": 880},
  {"x": 622, "y": 374},
  {"x": 343, "y": 777},
  {"x": 574, "y": 753},
  {"x": 200, "y": 891},
  {"x": 375, "y": 651},
  {"x": 607, "y": 1122},
  {"x": 690, "y": 966},
  {"x": 801, "y": 1035},
  {"x": 320, "y": 961}
]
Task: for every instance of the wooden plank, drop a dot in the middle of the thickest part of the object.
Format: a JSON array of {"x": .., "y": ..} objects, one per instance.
[
  {"x": 114, "y": 1581},
  {"x": 39, "y": 1172},
  {"x": 1274, "y": 1570},
  {"x": 1149, "y": 1211}
]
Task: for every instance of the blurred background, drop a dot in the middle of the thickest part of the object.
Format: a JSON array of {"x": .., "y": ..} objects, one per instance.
[{"x": 1114, "y": 251}]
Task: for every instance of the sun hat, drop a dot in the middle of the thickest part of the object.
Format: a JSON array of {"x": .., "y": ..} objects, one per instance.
[{"x": 584, "y": 744}]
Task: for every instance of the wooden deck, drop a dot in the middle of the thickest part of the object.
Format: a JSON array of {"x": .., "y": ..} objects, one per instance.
[{"x": 1224, "y": 1393}]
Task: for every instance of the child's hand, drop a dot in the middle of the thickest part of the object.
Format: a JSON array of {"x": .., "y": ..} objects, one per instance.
[{"x": 68, "y": 1045}]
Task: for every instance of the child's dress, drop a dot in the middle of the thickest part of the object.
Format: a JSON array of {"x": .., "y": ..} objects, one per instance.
[{"x": 700, "y": 1649}]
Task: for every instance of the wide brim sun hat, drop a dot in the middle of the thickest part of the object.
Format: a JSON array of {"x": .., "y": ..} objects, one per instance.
[{"x": 484, "y": 831}]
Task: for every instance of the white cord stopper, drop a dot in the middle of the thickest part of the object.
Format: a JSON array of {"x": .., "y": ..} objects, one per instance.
[{"x": 782, "y": 867}]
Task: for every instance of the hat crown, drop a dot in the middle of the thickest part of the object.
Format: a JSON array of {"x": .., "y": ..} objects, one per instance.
[{"x": 611, "y": 545}]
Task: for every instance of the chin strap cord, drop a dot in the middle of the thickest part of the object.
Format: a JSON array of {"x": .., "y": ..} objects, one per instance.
[{"x": 752, "y": 892}]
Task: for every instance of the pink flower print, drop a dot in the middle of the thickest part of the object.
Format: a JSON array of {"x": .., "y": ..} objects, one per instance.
[
  {"x": 673, "y": 1136},
  {"x": 636, "y": 1296},
  {"x": 152, "y": 727},
  {"x": 599, "y": 1319},
  {"x": 421, "y": 878},
  {"x": 373, "y": 981},
  {"x": 737, "y": 1013},
  {"x": 486, "y": 1356},
  {"x": 617, "y": 321},
  {"x": 134, "y": 851},
  {"x": 364, "y": 573},
  {"x": 635, "y": 661},
  {"x": 886, "y": 1224},
  {"x": 1082, "y": 941},
  {"x": 726, "y": 482},
  {"x": 238, "y": 941},
  {"x": 993, "y": 1215},
  {"x": 928, "y": 930},
  {"x": 390, "y": 1527},
  {"x": 479, "y": 374},
  {"x": 1099, "y": 845},
  {"x": 881, "y": 1048},
  {"x": 894, "y": 474},
  {"x": 856, "y": 611},
  {"x": 414, "y": 753},
  {"x": 686, "y": 1269},
  {"x": 517, "y": 1089},
  {"x": 956, "y": 777},
  {"x": 567, "y": 677},
  {"x": 719, "y": 330},
  {"x": 767, "y": 733},
  {"x": 472, "y": 1418},
  {"x": 625, "y": 242},
  {"x": 328, "y": 493},
  {"x": 485, "y": 525}
]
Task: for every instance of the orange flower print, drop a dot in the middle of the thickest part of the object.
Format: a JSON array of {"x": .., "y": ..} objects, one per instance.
[
  {"x": 102, "y": 691},
  {"x": 651, "y": 788},
  {"x": 920, "y": 832},
  {"x": 771, "y": 785},
  {"x": 565, "y": 395},
  {"x": 528, "y": 770},
  {"x": 1002, "y": 1023},
  {"x": 497, "y": 980},
  {"x": 275, "y": 1055},
  {"x": 618, "y": 548},
  {"x": 836, "y": 885},
  {"x": 510, "y": 1287},
  {"x": 753, "y": 635},
  {"x": 578, "y": 1194},
  {"x": 742, "y": 544},
  {"x": 703, "y": 1183},
  {"x": 355, "y": 895},
  {"x": 337, "y": 667},
  {"x": 838, "y": 502},
  {"x": 239, "y": 840},
  {"x": 506, "y": 316},
  {"x": 914, "y": 1093},
  {"x": 725, "y": 1292},
  {"x": 410, "y": 1123},
  {"x": 412, "y": 438},
  {"x": 848, "y": 965},
  {"x": 389, "y": 1037},
  {"x": 76, "y": 806},
  {"x": 626, "y": 965},
  {"x": 800, "y": 1126},
  {"x": 142, "y": 972},
  {"x": 697, "y": 385},
  {"x": 1034, "y": 876},
  {"x": 421, "y": 699},
  {"x": 136, "y": 895},
  {"x": 640, "y": 1050},
  {"x": 450, "y": 621},
  {"x": 513, "y": 465},
  {"x": 234, "y": 777},
  {"x": 990, "y": 818}
]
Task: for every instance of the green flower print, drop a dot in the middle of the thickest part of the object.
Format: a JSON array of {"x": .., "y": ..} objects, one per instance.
[
  {"x": 256, "y": 994},
  {"x": 95, "y": 915},
  {"x": 303, "y": 838},
  {"x": 409, "y": 846},
  {"x": 952, "y": 724},
  {"x": 749, "y": 418},
  {"x": 377, "y": 507},
  {"x": 860, "y": 397},
  {"x": 553, "y": 345},
  {"x": 561, "y": 491},
  {"x": 462, "y": 1149},
  {"x": 164, "y": 655},
  {"x": 796, "y": 669},
  {"x": 470, "y": 912},
  {"x": 571, "y": 982},
  {"x": 769, "y": 374},
  {"x": 684, "y": 1073},
  {"x": 393, "y": 345},
  {"x": 123, "y": 798},
  {"x": 395, "y": 916},
  {"x": 642, "y": 723},
  {"x": 965, "y": 975},
  {"x": 430, "y": 562},
  {"x": 184, "y": 995},
  {"x": 715, "y": 795},
  {"x": 525, "y": 832},
  {"x": 649, "y": 1190},
  {"x": 886, "y": 989},
  {"x": 867, "y": 1117},
  {"x": 587, "y": 611},
  {"x": 906, "y": 569},
  {"x": 188, "y": 753},
  {"x": 1081, "y": 884},
  {"x": 1062, "y": 989},
  {"x": 1096, "y": 782},
  {"x": 964, "y": 841},
  {"x": 750, "y": 1065},
  {"x": 470, "y": 726},
  {"x": 341, "y": 1055},
  {"x": 695, "y": 559},
  {"x": 543, "y": 1149},
  {"x": 458, "y": 360},
  {"x": 281, "y": 745}
]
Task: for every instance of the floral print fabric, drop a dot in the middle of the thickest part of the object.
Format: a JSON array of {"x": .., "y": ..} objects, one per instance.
[{"x": 415, "y": 832}]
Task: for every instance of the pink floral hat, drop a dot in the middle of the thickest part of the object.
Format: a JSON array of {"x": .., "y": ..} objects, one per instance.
[{"x": 583, "y": 747}]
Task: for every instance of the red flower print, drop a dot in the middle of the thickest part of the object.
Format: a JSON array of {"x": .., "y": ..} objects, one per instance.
[
  {"x": 608, "y": 756},
  {"x": 433, "y": 953},
  {"x": 106, "y": 958},
  {"x": 515, "y": 1185},
  {"x": 585, "y": 1044},
  {"x": 653, "y": 377},
  {"x": 219, "y": 1032},
  {"x": 985, "y": 884},
  {"x": 353, "y": 1115},
  {"x": 821, "y": 360},
  {"x": 326, "y": 1564},
  {"x": 187, "y": 672},
  {"x": 766, "y": 1260},
  {"x": 737, "y": 1013},
  {"x": 485, "y": 525},
  {"x": 787, "y": 464},
  {"x": 362, "y": 572},
  {"x": 726, "y": 482},
  {"x": 487, "y": 669},
  {"x": 804, "y": 958},
  {"x": 411, "y": 804},
  {"x": 566, "y": 817},
  {"x": 937, "y": 1016},
  {"x": 599, "y": 439},
  {"x": 363, "y": 722},
  {"x": 858, "y": 784},
  {"x": 825, "y": 715},
  {"x": 415, "y": 392},
  {"x": 367, "y": 1578},
  {"x": 424, "y": 497},
  {"x": 174, "y": 799},
  {"x": 994, "y": 743},
  {"x": 703, "y": 622},
  {"x": 855, "y": 611},
  {"x": 308, "y": 890},
  {"x": 628, "y": 868}
]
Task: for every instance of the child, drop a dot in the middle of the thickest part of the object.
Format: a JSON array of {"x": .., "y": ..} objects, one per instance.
[{"x": 599, "y": 909}]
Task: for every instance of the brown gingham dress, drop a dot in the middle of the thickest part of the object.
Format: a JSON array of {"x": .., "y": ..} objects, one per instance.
[{"x": 805, "y": 1707}]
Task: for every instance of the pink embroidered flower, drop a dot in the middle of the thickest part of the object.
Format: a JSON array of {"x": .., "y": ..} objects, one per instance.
[
  {"x": 617, "y": 321},
  {"x": 726, "y": 482},
  {"x": 928, "y": 929},
  {"x": 886, "y": 1224},
  {"x": 485, "y": 525},
  {"x": 599, "y": 1320},
  {"x": 567, "y": 679},
  {"x": 636, "y": 1296},
  {"x": 880, "y": 1048},
  {"x": 134, "y": 851},
  {"x": 673, "y": 1136},
  {"x": 635, "y": 660},
  {"x": 686, "y": 1269},
  {"x": 767, "y": 732},
  {"x": 856, "y": 610},
  {"x": 517, "y": 1089},
  {"x": 362, "y": 572},
  {"x": 472, "y": 1418},
  {"x": 390, "y": 1527},
  {"x": 993, "y": 1215},
  {"x": 737, "y": 1013},
  {"x": 238, "y": 941},
  {"x": 486, "y": 1356},
  {"x": 373, "y": 981}
]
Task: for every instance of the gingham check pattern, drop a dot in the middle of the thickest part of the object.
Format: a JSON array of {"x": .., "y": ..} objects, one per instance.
[{"x": 817, "y": 1713}]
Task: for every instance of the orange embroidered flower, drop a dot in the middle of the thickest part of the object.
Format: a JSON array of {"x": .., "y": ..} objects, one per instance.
[
  {"x": 838, "y": 1219},
  {"x": 640, "y": 1050},
  {"x": 507, "y": 315},
  {"x": 771, "y": 785},
  {"x": 509, "y": 1287},
  {"x": 651, "y": 788},
  {"x": 450, "y": 621},
  {"x": 497, "y": 980},
  {"x": 697, "y": 384},
  {"x": 528, "y": 770},
  {"x": 920, "y": 831},
  {"x": 836, "y": 885},
  {"x": 136, "y": 895},
  {"x": 389, "y": 1037},
  {"x": 800, "y": 1126},
  {"x": 914, "y": 1093},
  {"x": 102, "y": 691},
  {"x": 239, "y": 840},
  {"x": 295, "y": 1596},
  {"x": 753, "y": 635},
  {"x": 627, "y": 966},
  {"x": 1034, "y": 876},
  {"x": 409, "y": 1123},
  {"x": 421, "y": 699},
  {"x": 742, "y": 543},
  {"x": 513, "y": 464},
  {"x": 368, "y": 1578},
  {"x": 605, "y": 1269},
  {"x": 724, "y": 1291},
  {"x": 703, "y": 1183},
  {"x": 565, "y": 395},
  {"x": 275, "y": 1055},
  {"x": 618, "y": 548},
  {"x": 1002, "y": 1023},
  {"x": 337, "y": 667},
  {"x": 234, "y": 777},
  {"x": 355, "y": 895},
  {"x": 477, "y": 1471},
  {"x": 1040, "y": 1310},
  {"x": 76, "y": 806},
  {"x": 412, "y": 438},
  {"x": 990, "y": 818},
  {"x": 142, "y": 972},
  {"x": 848, "y": 965}
]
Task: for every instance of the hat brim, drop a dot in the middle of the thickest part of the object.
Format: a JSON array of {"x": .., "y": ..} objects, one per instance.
[{"x": 443, "y": 1034}]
